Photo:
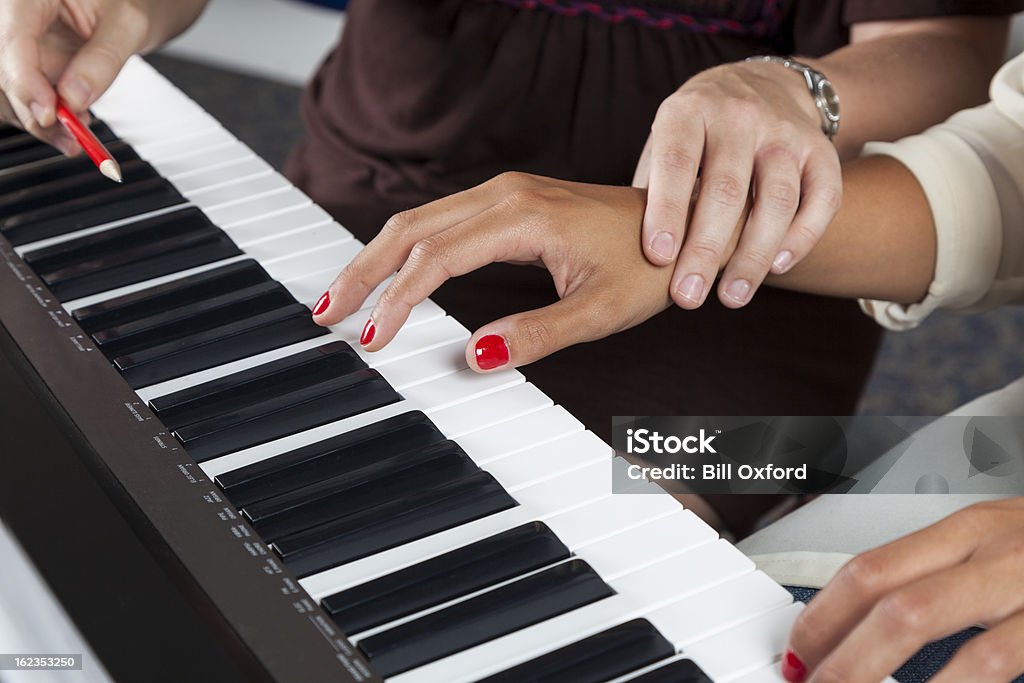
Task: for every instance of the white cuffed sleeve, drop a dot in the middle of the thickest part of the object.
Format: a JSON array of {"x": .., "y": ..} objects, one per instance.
[{"x": 972, "y": 170}]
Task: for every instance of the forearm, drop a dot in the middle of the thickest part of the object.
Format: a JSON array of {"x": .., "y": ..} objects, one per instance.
[
  {"x": 881, "y": 245},
  {"x": 898, "y": 78}
]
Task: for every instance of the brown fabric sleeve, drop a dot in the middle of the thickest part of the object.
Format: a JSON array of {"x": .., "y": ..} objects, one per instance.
[{"x": 857, "y": 11}]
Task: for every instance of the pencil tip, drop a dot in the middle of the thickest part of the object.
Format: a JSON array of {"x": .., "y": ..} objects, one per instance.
[{"x": 110, "y": 169}]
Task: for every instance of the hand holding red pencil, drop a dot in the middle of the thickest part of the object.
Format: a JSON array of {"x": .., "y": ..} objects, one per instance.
[{"x": 95, "y": 149}]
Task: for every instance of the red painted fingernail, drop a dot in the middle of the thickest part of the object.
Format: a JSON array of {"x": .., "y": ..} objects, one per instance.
[
  {"x": 793, "y": 670},
  {"x": 491, "y": 352},
  {"x": 322, "y": 304},
  {"x": 368, "y": 331}
]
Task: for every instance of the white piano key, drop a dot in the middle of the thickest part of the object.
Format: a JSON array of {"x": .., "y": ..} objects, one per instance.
[
  {"x": 769, "y": 674},
  {"x": 543, "y": 462},
  {"x": 265, "y": 451},
  {"x": 309, "y": 288},
  {"x": 72, "y": 306},
  {"x": 612, "y": 515},
  {"x": 162, "y": 148},
  {"x": 416, "y": 340},
  {"x": 445, "y": 360},
  {"x": 289, "y": 266},
  {"x": 747, "y": 647},
  {"x": 420, "y": 315},
  {"x": 256, "y": 454},
  {"x": 337, "y": 579},
  {"x": 276, "y": 226},
  {"x": 610, "y": 557},
  {"x": 198, "y": 180},
  {"x": 327, "y": 237},
  {"x": 204, "y": 160},
  {"x": 484, "y": 411},
  {"x": 556, "y": 496},
  {"x": 647, "y": 544},
  {"x": 704, "y": 614},
  {"x": 524, "y": 432},
  {"x": 235, "y": 190},
  {"x": 260, "y": 206},
  {"x": 664, "y": 582}
]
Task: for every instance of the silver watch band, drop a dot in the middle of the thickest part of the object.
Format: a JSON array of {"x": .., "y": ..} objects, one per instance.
[{"x": 826, "y": 101}]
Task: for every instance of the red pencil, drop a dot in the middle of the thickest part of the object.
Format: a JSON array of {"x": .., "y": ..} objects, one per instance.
[{"x": 90, "y": 143}]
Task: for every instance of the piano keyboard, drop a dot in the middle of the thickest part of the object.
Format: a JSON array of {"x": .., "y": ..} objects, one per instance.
[{"x": 393, "y": 515}]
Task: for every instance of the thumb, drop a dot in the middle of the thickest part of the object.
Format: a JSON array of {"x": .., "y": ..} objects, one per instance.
[
  {"x": 527, "y": 337},
  {"x": 118, "y": 35}
]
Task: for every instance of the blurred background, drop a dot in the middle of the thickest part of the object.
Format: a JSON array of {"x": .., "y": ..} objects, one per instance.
[{"x": 245, "y": 62}]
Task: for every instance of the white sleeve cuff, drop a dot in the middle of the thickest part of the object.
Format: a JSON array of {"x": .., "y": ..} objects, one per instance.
[{"x": 968, "y": 224}]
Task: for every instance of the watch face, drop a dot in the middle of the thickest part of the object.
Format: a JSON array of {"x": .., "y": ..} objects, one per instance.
[{"x": 829, "y": 98}]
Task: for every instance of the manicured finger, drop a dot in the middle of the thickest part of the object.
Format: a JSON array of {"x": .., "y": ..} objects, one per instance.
[
  {"x": 863, "y": 581},
  {"x": 392, "y": 246},
  {"x": 676, "y": 146},
  {"x": 776, "y": 198},
  {"x": 822, "y": 195},
  {"x": 724, "y": 186},
  {"x": 524, "y": 338},
  {"x": 483, "y": 239},
  {"x": 906, "y": 619},
  {"x": 995, "y": 656},
  {"x": 119, "y": 34}
]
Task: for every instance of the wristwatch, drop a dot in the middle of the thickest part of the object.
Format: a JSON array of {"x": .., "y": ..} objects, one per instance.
[{"x": 825, "y": 98}]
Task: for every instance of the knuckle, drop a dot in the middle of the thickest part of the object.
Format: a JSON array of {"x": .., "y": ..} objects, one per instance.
[
  {"x": 831, "y": 197},
  {"x": 781, "y": 197},
  {"x": 678, "y": 159},
  {"x": 863, "y": 574},
  {"x": 399, "y": 225},
  {"x": 535, "y": 333},
  {"x": 672, "y": 109},
  {"x": 426, "y": 251},
  {"x": 805, "y": 234},
  {"x": 989, "y": 660},
  {"x": 726, "y": 189},
  {"x": 756, "y": 260},
  {"x": 509, "y": 181},
  {"x": 524, "y": 199},
  {"x": 705, "y": 251},
  {"x": 905, "y": 610}
]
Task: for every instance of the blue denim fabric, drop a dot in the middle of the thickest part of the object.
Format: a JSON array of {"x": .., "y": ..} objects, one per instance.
[
  {"x": 335, "y": 4},
  {"x": 925, "y": 663}
]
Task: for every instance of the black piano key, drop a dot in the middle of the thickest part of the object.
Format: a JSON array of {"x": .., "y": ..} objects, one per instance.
[
  {"x": 289, "y": 413},
  {"x": 596, "y": 659},
  {"x": 102, "y": 244},
  {"x": 403, "y": 433},
  {"x": 429, "y": 511},
  {"x": 137, "y": 264},
  {"x": 68, "y": 188},
  {"x": 113, "y": 203},
  {"x": 679, "y": 671},
  {"x": 460, "y": 572},
  {"x": 256, "y": 384},
  {"x": 170, "y": 324},
  {"x": 396, "y": 477},
  {"x": 491, "y": 615},
  {"x": 59, "y": 167},
  {"x": 22, "y": 148},
  {"x": 172, "y": 294},
  {"x": 239, "y": 339}
]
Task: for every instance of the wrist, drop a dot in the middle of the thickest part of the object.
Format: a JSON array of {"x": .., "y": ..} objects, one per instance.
[{"x": 824, "y": 102}]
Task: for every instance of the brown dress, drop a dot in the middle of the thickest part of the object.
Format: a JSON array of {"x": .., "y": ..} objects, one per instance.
[{"x": 423, "y": 98}]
